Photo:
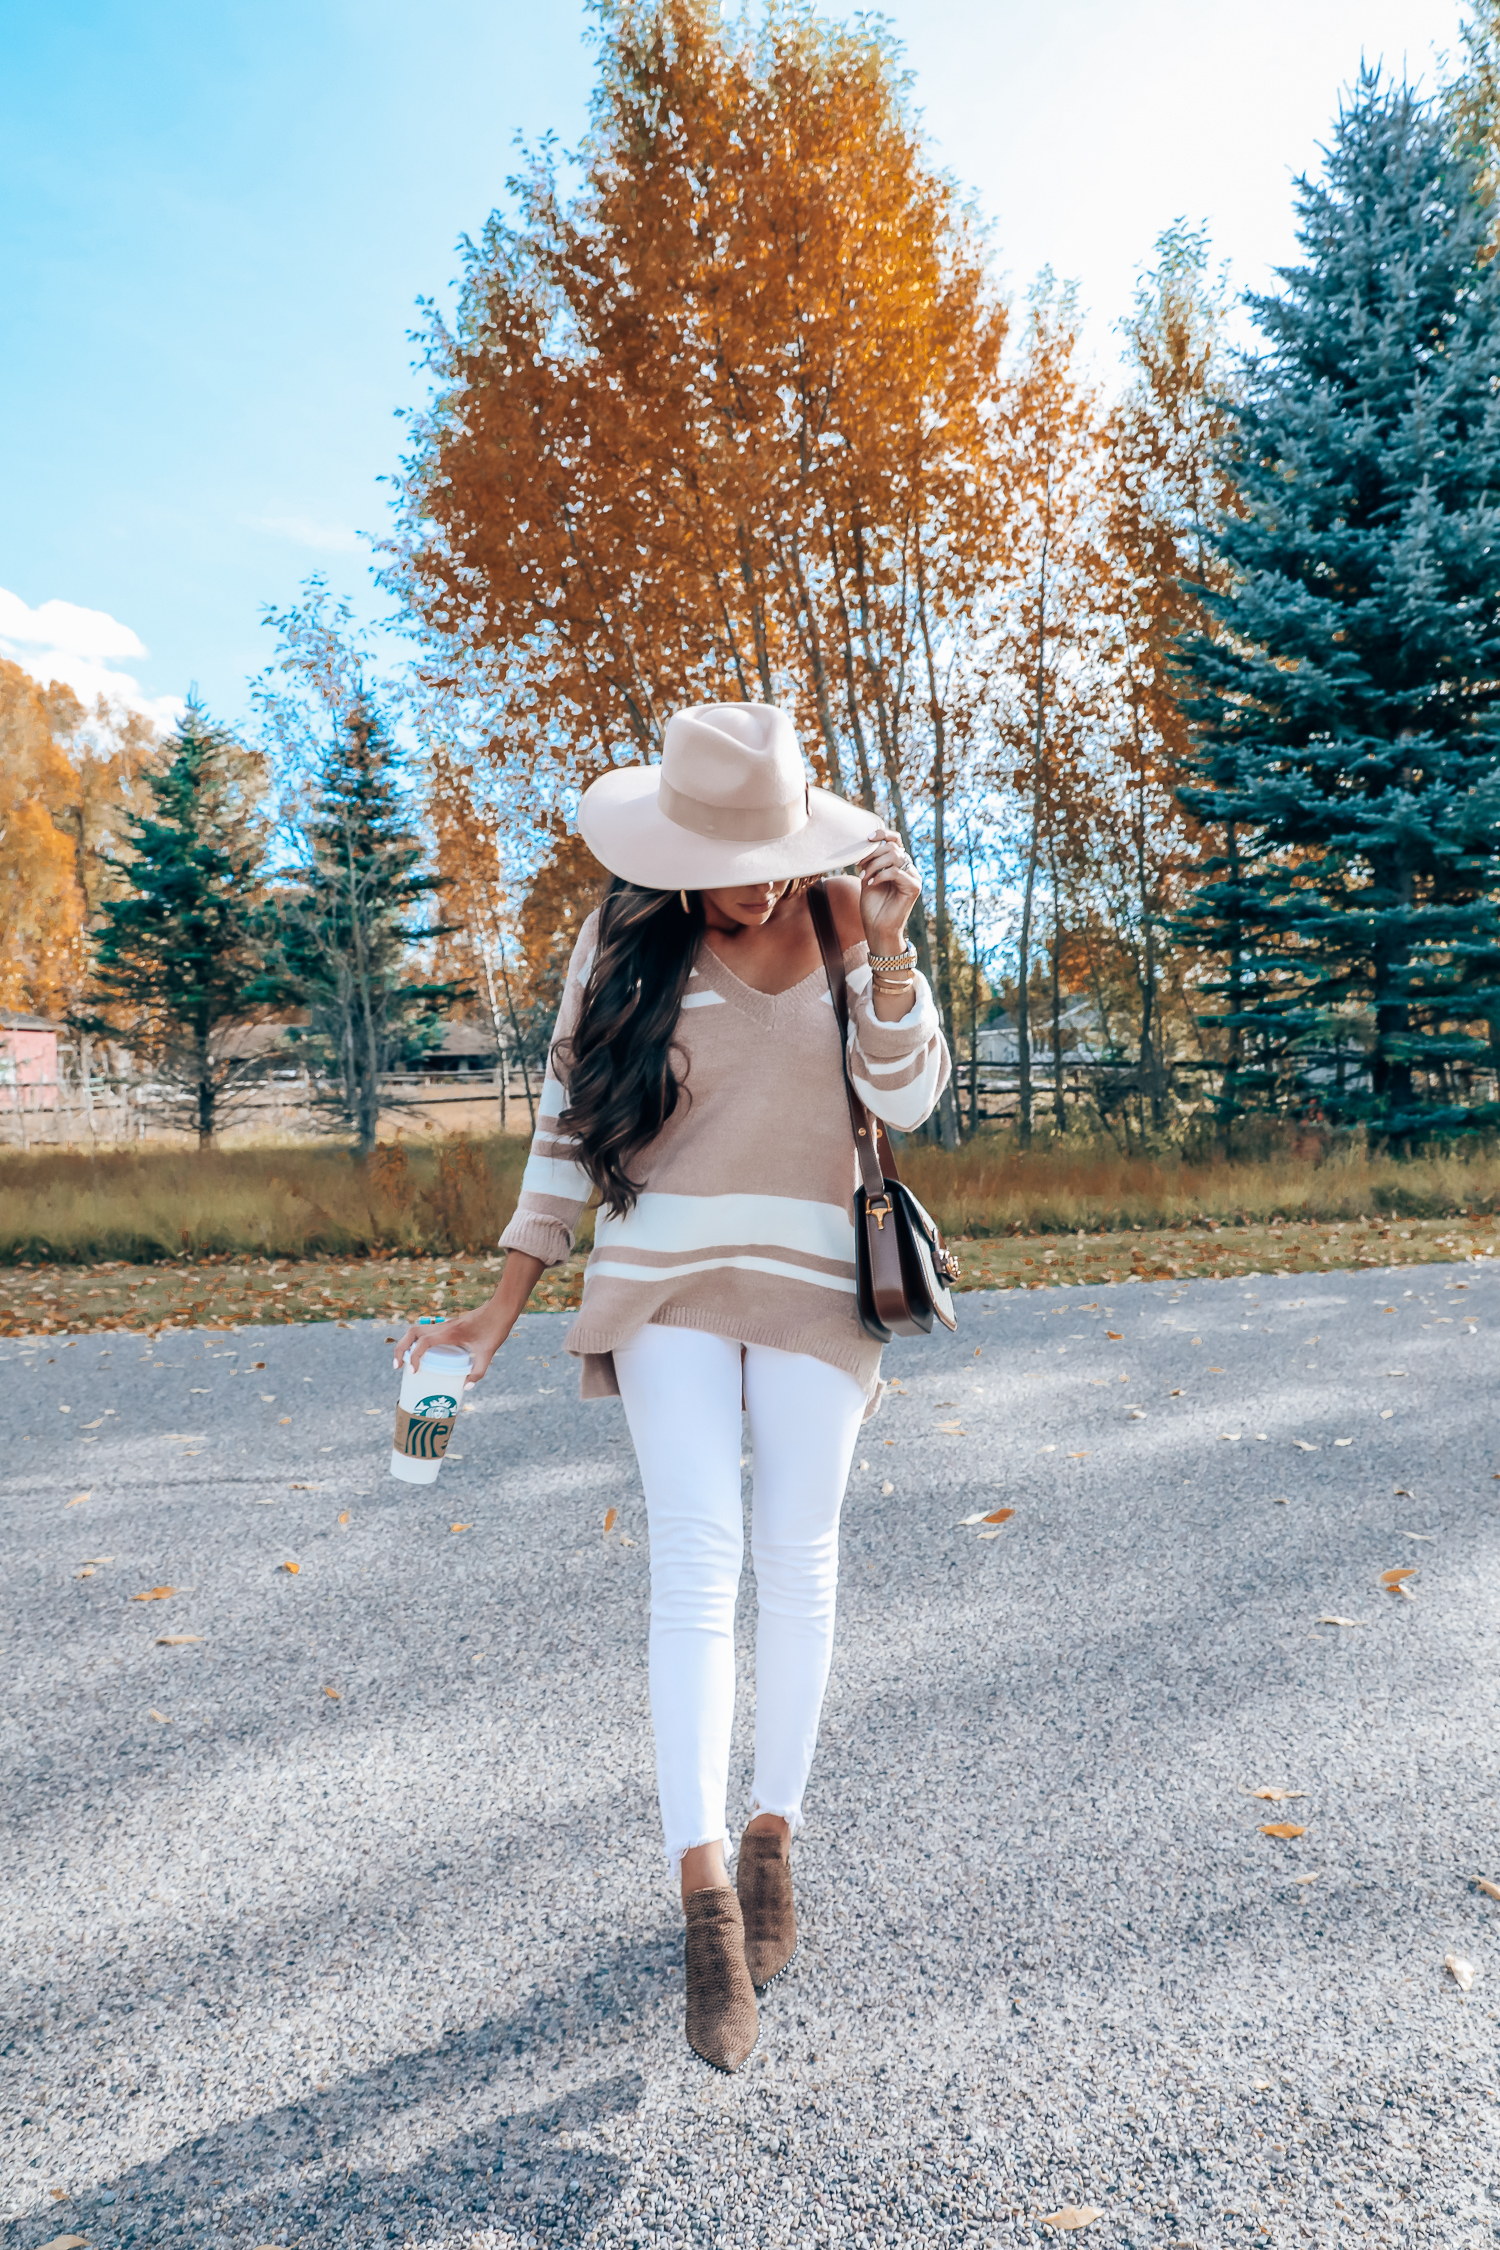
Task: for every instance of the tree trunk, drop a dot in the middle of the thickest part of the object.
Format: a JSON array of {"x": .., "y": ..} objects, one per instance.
[
  {"x": 1229, "y": 1092},
  {"x": 204, "y": 1075},
  {"x": 1023, "y": 997},
  {"x": 1058, "y": 1118},
  {"x": 520, "y": 1042},
  {"x": 942, "y": 932}
]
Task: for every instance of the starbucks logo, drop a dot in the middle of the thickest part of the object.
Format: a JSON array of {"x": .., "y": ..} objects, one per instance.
[{"x": 438, "y": 1403}]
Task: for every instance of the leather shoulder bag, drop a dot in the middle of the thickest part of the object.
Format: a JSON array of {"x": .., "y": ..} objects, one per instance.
[{"x": 903, "y": 1273}]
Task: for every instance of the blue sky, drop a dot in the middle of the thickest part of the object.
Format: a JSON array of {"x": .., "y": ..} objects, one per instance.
[{"x": 220, "y": 219}]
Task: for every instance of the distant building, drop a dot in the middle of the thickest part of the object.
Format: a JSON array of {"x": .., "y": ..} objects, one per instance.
[
  {"x": 1084, "y": 1037},
  {"x": 28, "y": 1062},
  {"x": 463, "y": 1048}
]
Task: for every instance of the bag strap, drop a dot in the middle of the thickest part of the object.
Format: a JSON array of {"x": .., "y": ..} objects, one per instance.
[{"x": 872, "y": 1143}]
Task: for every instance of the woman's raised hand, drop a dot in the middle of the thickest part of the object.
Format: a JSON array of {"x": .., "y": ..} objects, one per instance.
[{"x": 889, "y": 887}]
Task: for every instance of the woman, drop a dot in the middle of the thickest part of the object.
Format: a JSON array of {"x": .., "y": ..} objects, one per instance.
[{"x": 695, "y": 1083}]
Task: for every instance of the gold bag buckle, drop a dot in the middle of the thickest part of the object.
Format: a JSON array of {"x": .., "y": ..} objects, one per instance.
[{"x": 879, "y": 1212}]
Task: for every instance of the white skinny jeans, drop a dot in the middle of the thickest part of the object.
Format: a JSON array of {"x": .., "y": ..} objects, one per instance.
[{"x": 681, "y": 1391}]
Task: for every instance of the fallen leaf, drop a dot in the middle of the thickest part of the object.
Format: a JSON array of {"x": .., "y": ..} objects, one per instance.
[
  {"x": 1072, "y": 2216},
  {"x": 886, "y": 1488},
  {"x": 332, "y": 1694},
  {"x": 1174, "y": 1394},
  {"x": 1396, "y": 1371},
  {"x": 1305, "y": 1878},
  {"x": 160, "y": 1716},
  {"x": 1341, "y": 1621},
  {"x": 1216, "y": 1371},
  {"x": 953, "y": 1429},
  {"x": 256, "y": 1365},
  {"x": 291, "y": 1568},
  {"x": 1461, "y": 1971},
  {"x": 1078, "y": 1456},
  {"x": 964, "y": 1522},
  {"x": 451, "y": 1527},
  {"x": 176, "y": 1640},
  {"x": 79, "y": 1498},
  {"x": 65, "y": 1410},
  {"x": 1394, "y": 1577},
  {"x": 1426, "y": 1538},
  {"x": 1490, "y": 1890},
  {"x": 1285, "y": 1829},
  {"x": 267, "y": 1398},
  {"x": 611, "y": 1518},
  {"x": 157, "y": 1594},
  {"x": 93, "y": 1425},
  {"x": 87, "y": 1570},
  {"x": 1230, "y": 1437},
  {"x": 1401, "y": 1492},
  {"x": 1303, "y": 1446},
  {"x": 1404, "y": 1591},
  {"x": 283, "y": 1418},
  {"x": 1115, "y": 1335},
  {"x": 1278, "y": 1796},
  {"x": 344, "y": 1517},
  {"x": 624, "y": 1542},
  {"x": 1281, "y": 1503},
  {"x": 998, "y": 1515},
  {"x": 1387, "y": 1413},
  {"x": 64, "y": 2241},
  {"x": 1343, "y": 1441}
]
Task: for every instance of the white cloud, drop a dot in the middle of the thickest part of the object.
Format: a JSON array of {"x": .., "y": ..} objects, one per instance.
[
  {"x": 303, "y": 531},
  {"x": 61, "y": 641}
]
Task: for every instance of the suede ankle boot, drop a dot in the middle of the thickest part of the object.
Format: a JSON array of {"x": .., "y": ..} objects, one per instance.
[
  {"x": 764, "y": 1881},
  {"x": 722, "y": 2024}
]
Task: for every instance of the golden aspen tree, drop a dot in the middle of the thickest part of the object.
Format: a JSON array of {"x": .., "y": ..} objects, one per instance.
[
  {"x": 1160, "y": 488},
  {"x": 1041, "y": 684}
]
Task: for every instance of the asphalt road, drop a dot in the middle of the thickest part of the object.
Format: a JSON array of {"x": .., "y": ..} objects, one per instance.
[{"x": 343, "y": 1921}]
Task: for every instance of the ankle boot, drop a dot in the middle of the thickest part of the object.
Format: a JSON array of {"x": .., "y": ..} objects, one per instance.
[
  {"x": 722, "y": 2024},
  {"x": 764, "y": 1881}
]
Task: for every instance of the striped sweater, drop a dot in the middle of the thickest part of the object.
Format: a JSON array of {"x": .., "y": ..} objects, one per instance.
[{"x": 745, "y": 1224}]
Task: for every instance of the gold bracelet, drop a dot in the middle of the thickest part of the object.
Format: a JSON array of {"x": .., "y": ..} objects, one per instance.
[{"x": 906, "y": 960}]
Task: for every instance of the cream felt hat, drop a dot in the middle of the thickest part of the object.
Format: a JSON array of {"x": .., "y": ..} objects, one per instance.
[{"x": 729, "y": 803}]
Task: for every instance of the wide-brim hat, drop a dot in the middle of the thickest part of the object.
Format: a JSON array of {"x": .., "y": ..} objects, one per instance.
[{"x": 729, "y": 803}]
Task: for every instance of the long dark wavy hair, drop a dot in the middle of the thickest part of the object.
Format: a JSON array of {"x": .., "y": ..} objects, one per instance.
[{"x": 623, "y": 1081}]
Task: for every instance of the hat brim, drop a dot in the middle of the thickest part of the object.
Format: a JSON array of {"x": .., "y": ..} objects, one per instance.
[{"x": 627, "y": 832}]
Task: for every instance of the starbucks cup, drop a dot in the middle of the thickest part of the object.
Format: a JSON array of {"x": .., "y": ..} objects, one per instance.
[{"x": 426, "y": 1412}]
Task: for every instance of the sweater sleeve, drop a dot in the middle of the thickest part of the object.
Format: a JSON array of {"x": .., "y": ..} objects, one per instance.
[
  {"x": 899, "y": 1069},
  {"x": 553, "y": 1188}
]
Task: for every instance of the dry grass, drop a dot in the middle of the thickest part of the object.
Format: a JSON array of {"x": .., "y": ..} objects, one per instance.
[
  {"x": 173, "y": 1207},
  {"x": 296, "y": 1202},
  {"x": 988, "y": 1188}
]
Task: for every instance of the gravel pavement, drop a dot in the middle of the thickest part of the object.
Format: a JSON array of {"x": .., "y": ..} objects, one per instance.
[{"x": 343, "y": 1921}]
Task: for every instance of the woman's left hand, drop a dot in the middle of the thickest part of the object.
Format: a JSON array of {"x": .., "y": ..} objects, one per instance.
[{"x": 889, "y": 888}]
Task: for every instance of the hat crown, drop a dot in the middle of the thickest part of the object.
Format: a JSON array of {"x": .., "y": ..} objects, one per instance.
[{"x": 740, "y": 757}]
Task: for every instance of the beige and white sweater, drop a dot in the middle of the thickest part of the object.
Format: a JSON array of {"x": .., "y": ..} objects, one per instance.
[{"x": 745, "y": 1225}]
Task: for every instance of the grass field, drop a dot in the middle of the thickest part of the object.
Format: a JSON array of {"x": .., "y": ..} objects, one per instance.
[
  {"x": 168, "y": 1238},
  {"x": 155, "y": 1204}
]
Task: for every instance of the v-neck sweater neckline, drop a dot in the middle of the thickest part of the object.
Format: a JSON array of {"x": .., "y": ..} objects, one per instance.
[{"x": 764, "y": 1007}]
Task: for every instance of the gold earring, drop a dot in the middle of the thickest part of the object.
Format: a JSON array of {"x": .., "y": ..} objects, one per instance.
[{"x": 685, "y": 907}]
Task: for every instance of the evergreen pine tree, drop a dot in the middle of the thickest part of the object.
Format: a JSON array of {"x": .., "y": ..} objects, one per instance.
[
  {"x": 178, "y": 957},
  {"x": 346, "y": 933},
  {"x": 1347, "y": 709}
]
